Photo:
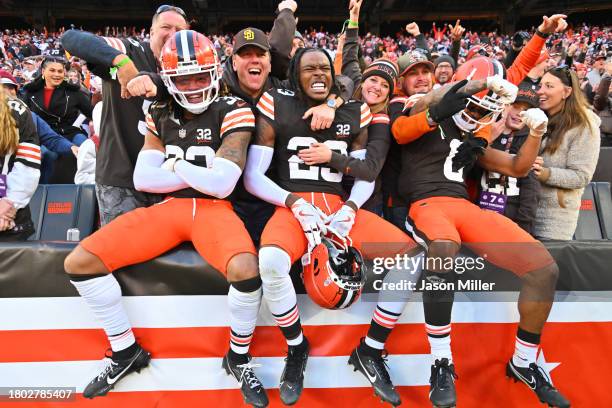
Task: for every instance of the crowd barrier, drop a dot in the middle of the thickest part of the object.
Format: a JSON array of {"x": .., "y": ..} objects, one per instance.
[{"x": 177, "y": 305}]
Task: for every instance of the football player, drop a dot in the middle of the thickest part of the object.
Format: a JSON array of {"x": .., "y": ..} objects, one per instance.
[
  {"x": 194, "y": 152},
  {"x": 435, "y": 157},
  {"x": 308, "y": 198}
]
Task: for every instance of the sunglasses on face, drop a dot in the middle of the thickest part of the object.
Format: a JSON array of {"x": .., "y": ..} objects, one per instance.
[{"x": 166, "y": 7}]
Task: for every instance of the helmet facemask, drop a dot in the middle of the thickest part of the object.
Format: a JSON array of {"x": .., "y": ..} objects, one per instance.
[
  {"x": 209, "y": 93},
  {"x": 478, "y": 113}
]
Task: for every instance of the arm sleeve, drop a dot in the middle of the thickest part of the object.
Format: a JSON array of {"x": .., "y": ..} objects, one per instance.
[
  {"x": 21, "y": 181},
  {"x": 362, "y": 189},
  {"x": 50, "y": 139},
  {"x": 255, "y": 180},
  {"x": 218, "y": 181},
  {"x": 350, "y": 58},
  {"x": 369, "y": 167},
  {"x": 281, "y": 42},
  {"x": 581, "y": 161},
  {"x": 150, "y": 177},
  {"x": 526, "y": 60},
  {"x": 93, "y": 49},
  {"x": 407, "y": 129}
]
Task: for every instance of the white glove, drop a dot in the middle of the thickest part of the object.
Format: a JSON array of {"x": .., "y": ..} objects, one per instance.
[
  {"x": 536, "y": 120},
  {"x": 342, "y": 221},
  {"x": 311, "y": 220},
  {"x": 506, "y": 91},
  {"x": 169, "y": 164}
]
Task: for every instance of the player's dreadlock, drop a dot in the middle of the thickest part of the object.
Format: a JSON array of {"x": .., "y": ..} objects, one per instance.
[{"x": 294, "y": 68}]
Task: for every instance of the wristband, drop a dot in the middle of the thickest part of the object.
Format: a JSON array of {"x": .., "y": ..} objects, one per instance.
[
  {"x": 353, "y": 24},
  {"x": 541, "y": 34},
  {"x": 115, "y": 68}
]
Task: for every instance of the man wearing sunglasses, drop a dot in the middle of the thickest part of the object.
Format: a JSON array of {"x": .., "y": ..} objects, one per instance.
[{"x": 117, "y": 61}]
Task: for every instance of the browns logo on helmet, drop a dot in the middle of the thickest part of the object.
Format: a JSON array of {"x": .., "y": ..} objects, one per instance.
[
  {"x": 335, "y": 273},
  {"x": 188, "y": 52}
]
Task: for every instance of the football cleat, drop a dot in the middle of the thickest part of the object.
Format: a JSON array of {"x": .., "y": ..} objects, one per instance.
[
  {"x": 442, "y": 392},
  {"x": 292, "y": 379},
  {"x": 251, "y": 388},
  {"x": 114, "y": 370},
  {"x": 375, "y": 370},
  {"x": 537, "y": 380}
]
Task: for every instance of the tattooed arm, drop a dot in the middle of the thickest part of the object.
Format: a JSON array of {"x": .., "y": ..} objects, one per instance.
[
  {"x": 220, "y": 178},
  {"x": 436, "y": 95}
]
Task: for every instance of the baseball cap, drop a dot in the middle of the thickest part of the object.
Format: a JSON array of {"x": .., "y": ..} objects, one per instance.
[
  {"x": 412, "y": 59},
  {"x": 527, "y": 94},
  {"x": 7, "y": 79},
  {"x": 251, "y": 36}
]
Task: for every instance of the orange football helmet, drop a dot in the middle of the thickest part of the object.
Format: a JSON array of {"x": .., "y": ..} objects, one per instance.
[
  {"x": 186, "y": 53},
  {"x": 333, "y": 273},
  {"x": 482, "y": 108}
]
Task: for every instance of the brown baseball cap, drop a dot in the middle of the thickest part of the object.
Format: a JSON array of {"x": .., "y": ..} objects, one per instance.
[
  {"x": 251, "y": 36},
  {"x": 411, "y": 59}
]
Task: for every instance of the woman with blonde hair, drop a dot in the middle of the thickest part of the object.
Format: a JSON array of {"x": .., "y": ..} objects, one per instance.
[
  {"x": 570, "y": 149},
  {"x": 19, "y": 168}
]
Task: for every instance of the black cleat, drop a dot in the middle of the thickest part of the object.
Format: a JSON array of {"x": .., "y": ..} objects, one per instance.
[
  {"x": 375, "y": 370},
  {"x": 292, "y": 379},
  {"x": 442, "y": 392},
  {"x": 251, "y": 388},
  {"x": 115, "y": 370},
  {"x": 536, "y": 379}
]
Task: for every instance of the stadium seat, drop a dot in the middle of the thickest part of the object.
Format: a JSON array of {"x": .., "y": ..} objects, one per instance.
[
  {"x": 603, "y": 200},
  {"x": 58, "y": 207},
  {"x": 588, "y": 227}
]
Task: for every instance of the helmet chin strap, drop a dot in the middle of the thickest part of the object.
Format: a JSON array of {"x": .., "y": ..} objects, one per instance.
[{"x": 462, "y": 123}]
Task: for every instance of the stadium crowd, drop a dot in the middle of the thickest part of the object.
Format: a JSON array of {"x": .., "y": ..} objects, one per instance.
[{"x": 421, "y": 118}]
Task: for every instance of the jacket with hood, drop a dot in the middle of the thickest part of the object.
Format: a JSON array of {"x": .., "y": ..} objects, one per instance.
[{"x": 67, "y": 103}]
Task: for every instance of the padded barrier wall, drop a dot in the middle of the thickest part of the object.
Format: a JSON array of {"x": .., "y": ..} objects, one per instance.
[{"x": 177, "y": 307}]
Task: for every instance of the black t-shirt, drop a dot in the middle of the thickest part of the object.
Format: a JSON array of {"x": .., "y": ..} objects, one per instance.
[
  {"x": 284, "y": 111},
  {"x": 427, "y": 165},
  {"x": 123, "y": 120},
  {"x": 197, "y": 140},
  {"x": 393, "y": 165}
]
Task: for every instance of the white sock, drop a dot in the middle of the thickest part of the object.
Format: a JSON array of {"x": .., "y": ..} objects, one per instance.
[
  {"x": 279, "y": 293},
  {"x": 524, "y": 353},
  {"x": 103, "y": 296},
  {"x": 440, "y": 346},
  {"x": 243, "y": 308}
]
